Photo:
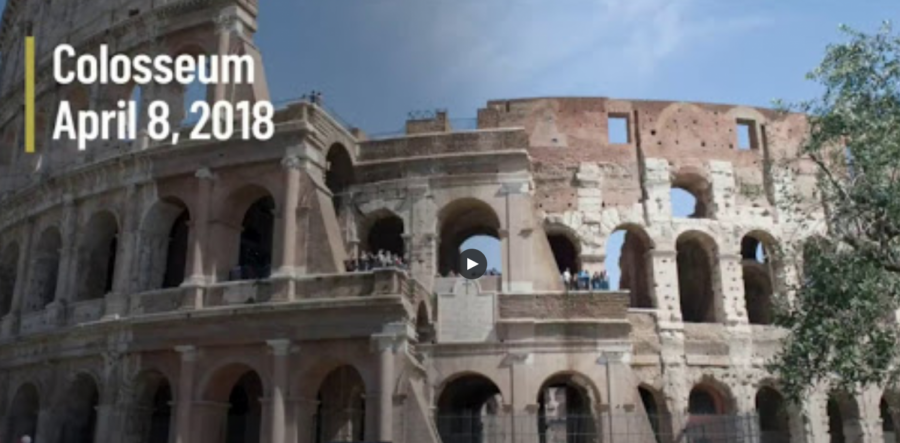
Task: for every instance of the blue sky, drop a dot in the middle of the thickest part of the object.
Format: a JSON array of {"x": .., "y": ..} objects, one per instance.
[{"x": 377, "y": 60}]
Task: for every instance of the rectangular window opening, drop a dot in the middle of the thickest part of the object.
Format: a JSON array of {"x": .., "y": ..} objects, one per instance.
[
  {"x": 619, "y": 131},
  {"x": 747, "y": 136}
]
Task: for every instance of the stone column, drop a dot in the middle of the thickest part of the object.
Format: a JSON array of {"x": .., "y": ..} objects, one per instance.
[
  {"x": 66, "y": 283},
  {"x": 11, "y": 322},
  {"x": 521, "y": 380},
  {"x": 227, "y": 23},
  {"x": 385, "y": 345},
  {"x": 665, "y": 292},
  {"x": 280, "y": 422},
  {"x": 197, "y": 277},
  {"x": 287, "y": 268},
  {"x": 117, "y": 300},
  {"x": 185, "y": 393},
  {"x": 302, "y": 411}
]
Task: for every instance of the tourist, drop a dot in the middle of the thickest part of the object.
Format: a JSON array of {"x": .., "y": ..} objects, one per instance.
[
  {"x": 567, "y": 278},
  {"x": 584, "y": 280}
]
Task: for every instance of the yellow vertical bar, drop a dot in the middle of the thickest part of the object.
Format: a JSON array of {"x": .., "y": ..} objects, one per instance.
[{"x": 29, "y": 94}]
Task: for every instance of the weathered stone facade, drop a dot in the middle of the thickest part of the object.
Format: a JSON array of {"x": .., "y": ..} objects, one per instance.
[{"x": 198, "y": 293}]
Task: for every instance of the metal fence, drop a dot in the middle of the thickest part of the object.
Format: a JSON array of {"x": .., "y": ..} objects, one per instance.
[{"x": 619, "y": 428}]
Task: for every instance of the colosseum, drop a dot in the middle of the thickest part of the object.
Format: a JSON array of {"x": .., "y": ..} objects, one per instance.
[{"x": 126, "y": 268}]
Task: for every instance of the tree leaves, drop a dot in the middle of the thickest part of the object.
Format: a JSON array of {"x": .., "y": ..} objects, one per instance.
[{"x": 842, "y": 323}]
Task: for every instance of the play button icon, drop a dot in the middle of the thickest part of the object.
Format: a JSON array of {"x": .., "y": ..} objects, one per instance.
[{"x": 472, "y": 264}]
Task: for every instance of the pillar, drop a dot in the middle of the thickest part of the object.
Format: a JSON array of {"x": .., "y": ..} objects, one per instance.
[
  {"x": 199, "y": 234},
  {"x": 380, "y": 424},
  {"x": 11, "y": 322},
  {"x": 279, "y": 420},
  {"x": 117, "y": 300},
  {"x": 302, "y": 411},
  {"x": 227, "y": 23},
  {"x": 287, "y": 267},
  {"x": 69, "y": 255},
  {"x": 185, "y": 393}
]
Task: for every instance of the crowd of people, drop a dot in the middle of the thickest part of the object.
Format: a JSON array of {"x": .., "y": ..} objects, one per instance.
[
  {"x": 583, "y": 280},
  {"x": 368, "y": 261}
]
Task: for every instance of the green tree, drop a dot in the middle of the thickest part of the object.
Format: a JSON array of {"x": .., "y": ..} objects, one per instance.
[{"x": 842, "y": 325}]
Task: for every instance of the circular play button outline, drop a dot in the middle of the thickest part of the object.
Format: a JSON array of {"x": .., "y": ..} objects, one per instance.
[{"x": 472, "y": 264}]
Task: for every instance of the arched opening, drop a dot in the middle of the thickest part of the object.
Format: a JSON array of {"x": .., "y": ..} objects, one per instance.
[
  {"x": 705, "y": 400},
  {"x": 342, "y": 407},
  {"x": 152, "y": 413},
  {"x": 888, "y": 429},
  {"x": 708, "y": 409},
  {"x": 177, "y": 250},
  {"x": 843, "y": 418},
  {"x": 97, "y": 256},
  {"x": 78, "y": 419},
  {"x": 338, "y": 174},
  {"x": 758, "y": 295},
  {"x": 468, "y": 223},
  {"x": 759, "y": 262},
  {"x": 9, "y": 260},
  {"x": 629, "y": 265},
  {"x": 655, "y": 409},
  {"x": 386, "y": 234},
  {"x": 245, "y": 411},
  {"x": 564, "y": 411},
  {"x": 774, "y": 424},
  {"x": 566, "y": 251},
  {"x": 23, "y": 414},
  {"x": 697, "y": 266},
  {"x": 164, "y": 245},
  {"x": 424, "y": 329},
  {"x": 195, "y": 91},
  {"x": 690, "y": 196},
  {"x": 468, "y": 409},
  {"x": 45, "y": 269},
  {"x": 257, "y": 234}
]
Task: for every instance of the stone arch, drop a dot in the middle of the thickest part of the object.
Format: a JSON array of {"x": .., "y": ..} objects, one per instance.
[
  {"x": 843, "y": 418},
  {"x": 710, "y": 397},
  {"x": 384, "y": 231},
  {"x": 654, "y": 404},
  {"x": 565, "y": 408},
  {"x": 249, "y": 212},
  {"x": 97, "y": 256},
  {"x": 9, "y": 264},
  {"x": 78, "y": 410},
  {"x": 23, "y": 413},
  {"x": 339, "y": 174},
  {"x": 762, "y": 263},
  {"x": 460, "y": 220},
  {"x": 634, "y": 264},
  {"x": 774, "y": 415},
  {"x": 44, "y": 270},
  {"x": 238, "y": 388},
  {"x": 165, "y": 233},
  {"x": 566, "y": 247},
  {"x": 468, "y": 407},
  {"x": 697, "y": 186},
  {"x": 342, "y": 405},
  {"x": 151, "y": 415},
  {"x": 698, "y": 271}
]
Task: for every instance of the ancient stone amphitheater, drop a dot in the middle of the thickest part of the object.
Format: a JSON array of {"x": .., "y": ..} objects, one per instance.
[{"x": 198, "y": 293}]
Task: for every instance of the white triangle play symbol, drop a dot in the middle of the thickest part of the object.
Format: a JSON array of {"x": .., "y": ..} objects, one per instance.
[{"x": 470, "y": 264}]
